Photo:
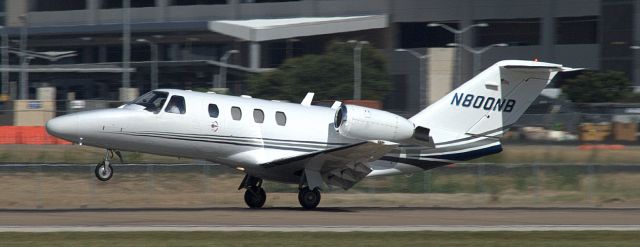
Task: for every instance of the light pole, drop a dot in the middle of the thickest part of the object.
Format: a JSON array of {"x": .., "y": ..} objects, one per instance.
[
  {"x": 357, "y": 67},
  {"x": 154, "y": 62},
  {"x": 126, "y": 43},
  {"x": 458, "y": 39},
  {"x": 24, "y": 81},
  {"x": 423, "y": 82},
  {"x": 477, "y": 53},
  {"x": 24, "y": 76},
  {"x": 222, "y": 78},
  {"x": 636, "y": 71},
  {"x": 5, "y": 62},
  {"x": 290, "y": 47}
]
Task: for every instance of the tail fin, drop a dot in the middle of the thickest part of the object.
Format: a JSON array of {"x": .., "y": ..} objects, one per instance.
[{"x": 488, "y": 103}]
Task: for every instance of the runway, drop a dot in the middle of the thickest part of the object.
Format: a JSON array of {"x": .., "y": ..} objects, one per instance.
[{"x": 325, "y": 219}]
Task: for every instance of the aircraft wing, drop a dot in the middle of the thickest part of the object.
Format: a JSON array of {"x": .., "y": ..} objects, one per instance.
[{"x": 343, "y": 166}]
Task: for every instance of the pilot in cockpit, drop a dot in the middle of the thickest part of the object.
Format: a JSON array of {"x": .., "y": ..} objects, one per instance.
[
  {"x": 176, "y": 105},
  {"x": 172, "y": 108}
]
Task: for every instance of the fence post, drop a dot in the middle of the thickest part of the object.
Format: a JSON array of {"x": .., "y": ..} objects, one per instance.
[
  {"x": 92, "y": 186},
  {"x": 150, "y": 184},
  {"x": 479, "y": 179},
  {"x": 591, "y": 182},
  {"x": 205, "y": 183},
  {"x": 536, "y": 175},
  {"x": 39, "y": 173},
  {"x": 424, "y": 181}
]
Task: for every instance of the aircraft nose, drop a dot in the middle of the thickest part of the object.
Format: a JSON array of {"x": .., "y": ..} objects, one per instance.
[{"x": 63, "y": 127}]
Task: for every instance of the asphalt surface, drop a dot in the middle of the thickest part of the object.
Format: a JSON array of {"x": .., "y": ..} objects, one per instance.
[{"x": 323, "y": 219}]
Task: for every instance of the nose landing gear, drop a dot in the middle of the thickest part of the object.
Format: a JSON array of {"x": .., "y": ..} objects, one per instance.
[{"x": 104, "y": 170}]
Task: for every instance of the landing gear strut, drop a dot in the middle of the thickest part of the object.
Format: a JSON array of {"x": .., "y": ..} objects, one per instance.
[
  {"x": 309, "y": 188},
  {"x": 308, "y": 198},
  {"x": 254, "y": 196},
  {"x": 104, "y": 170}
]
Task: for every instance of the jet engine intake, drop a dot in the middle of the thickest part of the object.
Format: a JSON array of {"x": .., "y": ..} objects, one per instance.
[{"x": 364, "y": 123}]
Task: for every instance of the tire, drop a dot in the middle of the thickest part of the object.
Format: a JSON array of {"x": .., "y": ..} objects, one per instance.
[
  {"x": 309, "y": 199},
  {"x": 255, "y": 197},
  {"x": 103, "y": 171}
]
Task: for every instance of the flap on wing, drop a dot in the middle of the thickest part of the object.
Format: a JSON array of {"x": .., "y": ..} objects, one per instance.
[
  {"x": 365, "y": 152},
  {"x": 342, "y": 166},
  {"x": 357, "y": 152}
]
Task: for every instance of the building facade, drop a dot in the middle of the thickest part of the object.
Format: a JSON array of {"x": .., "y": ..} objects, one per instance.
[{"x": 579, "y": 33}]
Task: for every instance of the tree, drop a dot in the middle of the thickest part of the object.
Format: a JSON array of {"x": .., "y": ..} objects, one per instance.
[
  {"x": 329, "y": 75},
  {"x": 595, "y": 87}
]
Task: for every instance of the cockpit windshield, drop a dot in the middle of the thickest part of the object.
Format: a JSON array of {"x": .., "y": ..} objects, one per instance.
[{"x": 152, "y": 101}]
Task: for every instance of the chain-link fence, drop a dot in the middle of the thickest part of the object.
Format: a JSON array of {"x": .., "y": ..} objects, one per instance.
[
  {"x": 207, "y": 185},
  {"x": 582, "y": 178}
]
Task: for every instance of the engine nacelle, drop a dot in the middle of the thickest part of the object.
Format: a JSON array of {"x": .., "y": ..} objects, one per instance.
[{"x": 364, "y": 123}]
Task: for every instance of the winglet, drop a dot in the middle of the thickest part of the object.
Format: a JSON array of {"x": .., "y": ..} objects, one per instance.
[{"x": 307, "y": 99}]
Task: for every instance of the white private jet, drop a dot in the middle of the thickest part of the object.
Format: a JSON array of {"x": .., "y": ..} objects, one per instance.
[{"x": 312, "y": 145}]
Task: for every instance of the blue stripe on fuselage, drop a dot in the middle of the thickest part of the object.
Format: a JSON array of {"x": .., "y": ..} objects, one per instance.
[{"x": 468, "y": 155}]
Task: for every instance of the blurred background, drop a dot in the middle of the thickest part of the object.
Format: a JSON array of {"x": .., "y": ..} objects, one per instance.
[{"x": 577, "y": 145}]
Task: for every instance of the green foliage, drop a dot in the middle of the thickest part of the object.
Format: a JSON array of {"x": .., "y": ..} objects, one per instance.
[
  {"x": 595, "y": 87},
  {"x": 200, "y": 89},
  {"x": 329, "y": 75},
  {"x": 632, "y": 98}
]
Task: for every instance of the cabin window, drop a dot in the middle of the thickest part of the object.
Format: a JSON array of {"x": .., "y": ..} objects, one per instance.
[
  {"x": 152, "y": 101},
  {"x": 236, "y": 113},
  {"x": 258, "y": 116},
  {"x": 281, "y": 118},
  {"x": 214, "y": 111},
  {"x": 176, "y": 105}
]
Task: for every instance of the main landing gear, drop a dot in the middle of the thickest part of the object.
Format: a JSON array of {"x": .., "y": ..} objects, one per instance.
[
  {"x": 104, "y": 170},
  {"x": 309, "y": 189},
  {"x": 309, "y": 198},
  {"x": 254, "y": 196}
]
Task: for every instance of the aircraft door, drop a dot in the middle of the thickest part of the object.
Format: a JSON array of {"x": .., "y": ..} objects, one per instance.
[
  {"x": 211, "y": 126},
  {"x": 213, "y": 123}
]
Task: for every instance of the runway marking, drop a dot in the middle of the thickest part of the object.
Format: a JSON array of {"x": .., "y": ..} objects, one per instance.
[{"x": 303, "y": 228}]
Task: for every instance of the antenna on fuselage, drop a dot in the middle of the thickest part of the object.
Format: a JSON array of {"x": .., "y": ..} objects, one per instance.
[
  {"x": 308, "y": 99},
  {"x": 336, "y": 105}
]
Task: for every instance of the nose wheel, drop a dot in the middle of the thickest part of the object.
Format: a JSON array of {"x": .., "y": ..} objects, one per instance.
[{"x": 104, "y": 170}]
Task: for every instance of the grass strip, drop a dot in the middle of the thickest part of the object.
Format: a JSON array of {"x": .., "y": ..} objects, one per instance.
[{"x": 283, "y": 239}]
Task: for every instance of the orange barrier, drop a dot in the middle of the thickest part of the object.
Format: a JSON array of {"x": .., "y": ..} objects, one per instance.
[
  {"x": 27, "y": 135},
  {"x": 588, "y": 147}
]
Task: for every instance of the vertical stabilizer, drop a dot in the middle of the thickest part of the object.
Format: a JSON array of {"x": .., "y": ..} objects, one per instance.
[{"x": 488, "y": 103}]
